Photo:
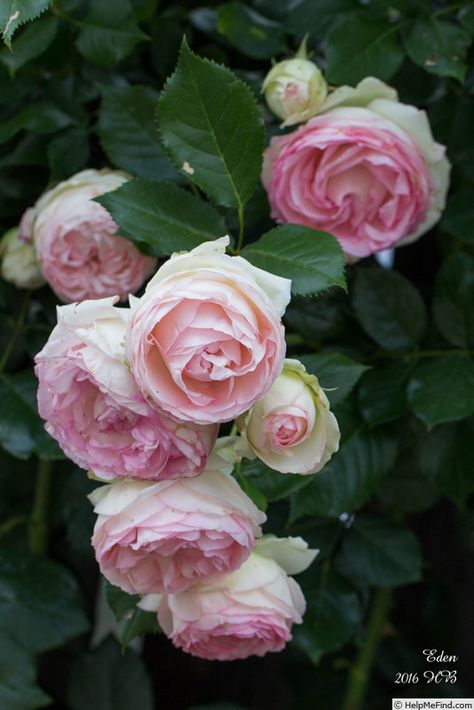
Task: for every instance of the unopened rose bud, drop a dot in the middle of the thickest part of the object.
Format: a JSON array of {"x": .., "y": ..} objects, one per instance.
[
  {"x": 19, "y": 263},
  {"x": 294, "y": 90},
  {"x": 291, "y": 428}
]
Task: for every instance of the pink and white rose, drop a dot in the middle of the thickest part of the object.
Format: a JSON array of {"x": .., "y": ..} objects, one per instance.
[
  {"x": 292, "y": 428},
  {"x": 79, "y": 252},
  {"x": 366, "y": 169},
  {"x": 206, "y": 340},
  {"x": 96, "y": 412},
  {"x": 248, "y": 612},
  {"x": 171, "y": 535}
]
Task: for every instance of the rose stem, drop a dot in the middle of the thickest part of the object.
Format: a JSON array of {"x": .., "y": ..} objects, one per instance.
[
  {"x": 38, "y": 528},
  {"x": 361, "y": 670}
]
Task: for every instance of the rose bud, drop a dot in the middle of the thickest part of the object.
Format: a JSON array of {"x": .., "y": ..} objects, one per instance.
[
  {"x": 19, "y": 263},
  {"x": 294, "y": 90},
  {"x": 206, "y": 340},
  {"x": 248, "y": 612},
  {"x": 94, "y": 409},
  {"x": 291, "y": 428},
  {"x": 168, "y": 536},
  {"x": 366, "y": 170},
  {"x": 79, "y": 252}
]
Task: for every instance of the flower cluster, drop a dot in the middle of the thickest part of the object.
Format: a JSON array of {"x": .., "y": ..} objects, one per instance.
[
  {"x": 136, "y": 395},
  {"x": 364, "y": 167}
]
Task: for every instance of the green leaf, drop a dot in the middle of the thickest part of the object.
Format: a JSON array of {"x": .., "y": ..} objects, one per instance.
[
  {"x": 440, "y": 390},
  {"x": 211, "y": 126},
  {"x": 107, "y": 37},
  {"x": 389, "y": 308},
  {"x": 252, "y": 491},
  {"x": 128, "y": 132},
  {"x": 407, "y": 490},
  {"x": 248, "y": 31},
  {"x": 109, "y": 679},
  {"x": 137, "y": 624},
  {"x": 132, "y": 620},
  {"x": 365, "y": 457},
  {"x": 31, "y": 44},
  {"x": 14, "y": 13},
  {"x": 312, "y": 260},
  {"x": 445, "y": 457},
  {"x": 380, "y": 552},
  {"x": 39, "y": 117},
  {"x": 272, "y": 484},
  {"x": 17, "y": 678},
  {"x": 40, "y": 605},
  {"x": 439, "y": 47},
  {"x": 22, "y": 431},
  {"x": 458, "y": 218},
  {"x": 357, "y": 48},
  {"x": 68, "y": 152},
  {"x": 332, "y": 615},
  {"x": 466, "y": 17},
  {"x": 317, "y": 16},
  {"x": 454, "y": 298},
  {"x": 382, "y": 392},
  {"x": 334, "y": 370},
  {"x": 162, "y": 216}
]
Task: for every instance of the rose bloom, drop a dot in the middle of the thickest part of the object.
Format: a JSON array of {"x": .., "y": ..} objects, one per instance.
[
  {"x": 94, "y": 409},
  {"x": 79, "y": 253},
  {"x": 291, "y": 428},
  {"x": 248, "y": 612},
  {"x": 206, "y": 340},
  {"x": 366, "y": 170},
  {"x": 168, "y": 536}
]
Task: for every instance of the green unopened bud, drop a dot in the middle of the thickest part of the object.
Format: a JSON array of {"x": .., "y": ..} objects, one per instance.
[
  {"x": 19, "y": 263},
  {"x": 294, "y": 90}
]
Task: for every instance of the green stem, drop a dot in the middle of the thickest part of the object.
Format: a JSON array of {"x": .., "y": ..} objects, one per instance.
[
  {"x": 240, "y": 241},
  {"x": 450, "y": 8},
  {"x": 17, "y": 328},
  {"x": 360, "y": 673},
  {"x": 12, "y": 523},
  {"x": 38, "y": 529}
]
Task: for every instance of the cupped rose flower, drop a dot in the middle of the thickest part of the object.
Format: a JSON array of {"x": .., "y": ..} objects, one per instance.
[
  {"x": 291, "y": 428},
  {"x": 19, "y": 264},
  {"x": 294, "y": 90},
  {"x": 248, "y": 612},
  {"x": 79, "y": 253},
  {"x": 206, "y": 340},
  {"x": 366, "y": 170},
  {"x": 96, "y": 412},
  {"x": 168, "y": 536}
]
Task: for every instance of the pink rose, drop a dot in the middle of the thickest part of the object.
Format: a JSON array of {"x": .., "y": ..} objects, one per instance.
[
  {"x": 169, "y": 535},
  {"x": 292, "y": 428},
  {"x": 94, "y": 409},
  {"x": 206, "y": 339},
  {"x": 79, "y": 253},
  {"x": 248, "y": 612},
  {"x": 366, "y": 170}
]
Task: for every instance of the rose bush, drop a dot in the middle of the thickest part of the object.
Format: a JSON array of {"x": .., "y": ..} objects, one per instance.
[{"x": 123, "y": 147}]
